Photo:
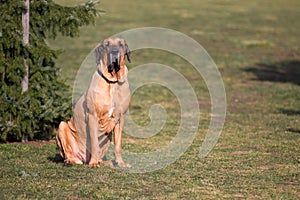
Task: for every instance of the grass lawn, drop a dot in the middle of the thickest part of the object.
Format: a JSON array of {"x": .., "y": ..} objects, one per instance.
[{"x": 255, "y": 45}]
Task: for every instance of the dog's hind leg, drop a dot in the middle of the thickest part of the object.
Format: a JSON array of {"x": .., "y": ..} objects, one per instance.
[{"x": 67, "y": 144}]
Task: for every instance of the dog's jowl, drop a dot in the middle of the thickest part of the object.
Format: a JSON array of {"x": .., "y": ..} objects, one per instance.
[{"x": 99, "y": 112}]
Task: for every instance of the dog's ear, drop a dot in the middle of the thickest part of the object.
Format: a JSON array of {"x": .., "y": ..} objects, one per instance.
[
  {"x": 127, "y": 52},
  {"x": 98, "y": 53}
]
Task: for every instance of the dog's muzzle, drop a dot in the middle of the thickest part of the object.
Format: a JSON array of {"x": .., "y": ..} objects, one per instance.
[{"x": 114, "y": 60}]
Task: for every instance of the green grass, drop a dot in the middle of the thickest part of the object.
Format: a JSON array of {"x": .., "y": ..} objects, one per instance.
[{"x": 255, "y": 44}]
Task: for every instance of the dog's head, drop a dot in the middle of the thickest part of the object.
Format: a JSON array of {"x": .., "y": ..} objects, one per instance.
[{"x": 110, "y": 55}]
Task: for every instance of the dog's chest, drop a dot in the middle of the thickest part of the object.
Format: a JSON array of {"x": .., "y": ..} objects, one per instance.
[
  {"x": 107, "y": 123},
  {"x": 109, "y": 110}
]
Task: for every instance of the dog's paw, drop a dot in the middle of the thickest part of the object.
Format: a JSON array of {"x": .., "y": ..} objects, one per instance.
[
  {"x": 72, "y": 161},
  {"x": 93, "y": 163},
  {"x": 107, "y": 163},
  {"x": 123, "y": 164}
]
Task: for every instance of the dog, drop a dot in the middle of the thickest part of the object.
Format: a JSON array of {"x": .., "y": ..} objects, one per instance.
[{"x": 98, "y": 115}]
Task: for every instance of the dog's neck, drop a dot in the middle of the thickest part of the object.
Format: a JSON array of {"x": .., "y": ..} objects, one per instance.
[
  {"x": 105, "y": 78},
  {"x": 121, "y": 76}
]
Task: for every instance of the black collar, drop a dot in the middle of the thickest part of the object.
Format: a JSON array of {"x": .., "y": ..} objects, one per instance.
[{"x": 106, "y": 79}]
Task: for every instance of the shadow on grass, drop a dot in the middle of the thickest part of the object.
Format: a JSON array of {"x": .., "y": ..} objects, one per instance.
[
  {"x": 293, "y": 130},
  {"x": 285, "y": 71},
  {"x": 56, "y": 159},
  {"x": 289, "y": 112}
]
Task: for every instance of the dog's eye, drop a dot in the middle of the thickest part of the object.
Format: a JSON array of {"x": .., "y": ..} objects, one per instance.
[{"x": 121, "y": 44}]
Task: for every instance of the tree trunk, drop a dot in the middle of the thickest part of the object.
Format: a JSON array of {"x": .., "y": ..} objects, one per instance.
[
  {"x": 25, "y": 81},
  {"x": 25, "y": 24}
]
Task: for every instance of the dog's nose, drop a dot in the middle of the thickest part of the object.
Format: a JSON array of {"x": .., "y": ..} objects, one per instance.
[{"x": 115, "y": 50}]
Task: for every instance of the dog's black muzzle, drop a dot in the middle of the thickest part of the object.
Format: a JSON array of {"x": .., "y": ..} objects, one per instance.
[{"x": 114, "y": 60}]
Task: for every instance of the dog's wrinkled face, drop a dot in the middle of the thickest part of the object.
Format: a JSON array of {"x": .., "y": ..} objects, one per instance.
[{"x": 112, "y": 52}]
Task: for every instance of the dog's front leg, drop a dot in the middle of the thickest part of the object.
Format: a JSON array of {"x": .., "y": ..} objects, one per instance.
[
  {"x": 92, "y": 129},
  {"x": 118, "y": 142}
]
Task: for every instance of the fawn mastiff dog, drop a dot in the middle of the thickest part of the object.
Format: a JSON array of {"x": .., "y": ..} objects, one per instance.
[{"x": 99, "y": 112}]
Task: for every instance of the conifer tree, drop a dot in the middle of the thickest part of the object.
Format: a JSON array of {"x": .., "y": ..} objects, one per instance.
[{"x": 36, "y": 112}]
